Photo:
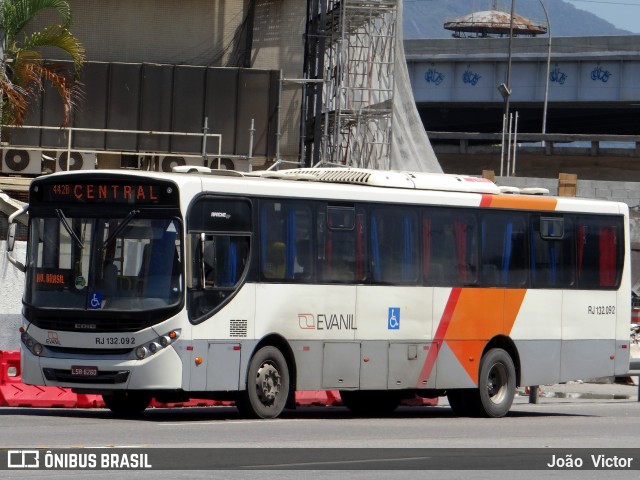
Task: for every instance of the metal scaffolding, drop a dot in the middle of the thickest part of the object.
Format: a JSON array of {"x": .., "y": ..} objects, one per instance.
[{"x": 348, "y": 118}]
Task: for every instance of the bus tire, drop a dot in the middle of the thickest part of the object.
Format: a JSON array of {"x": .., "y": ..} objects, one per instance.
[
  {"x": 267, "y": 385},
  {"x": 127, "y": 404},
  {"x": 496, "y": 385},
  {"x": 370, "y": 402}
]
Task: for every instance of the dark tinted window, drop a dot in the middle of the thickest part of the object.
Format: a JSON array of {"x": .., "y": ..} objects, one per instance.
[
  {"x": 552, "y": 258},
  {"x": 599, "y": 251},
  {"x": 394, "y": 245},
  {"x": 449, "y": 247},
  {"x": 504, "y": 251}
]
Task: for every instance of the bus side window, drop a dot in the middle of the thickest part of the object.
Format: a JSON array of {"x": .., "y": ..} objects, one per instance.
[
  {"x": 285, "y": 241},
  {"x": 275, "y": 261},
  {"x": 223, "y": 259},
  {"x": 394, "y": 246},
  {"x": 342, "y": 244},
  {"x": 503, "y": 249},
  {"x": 599, "y": 255},
  {"x": 449, "y": 248},
  {"x": 552, "y": 258}
]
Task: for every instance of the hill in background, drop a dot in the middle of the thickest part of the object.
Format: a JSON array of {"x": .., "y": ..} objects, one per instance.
[{"x": 425, "y": 18}]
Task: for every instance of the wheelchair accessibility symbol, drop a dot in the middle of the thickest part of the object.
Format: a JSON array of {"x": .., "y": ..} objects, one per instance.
[
  {"x": 95, "y": 300},
  {"x": 393, "y": 320}
]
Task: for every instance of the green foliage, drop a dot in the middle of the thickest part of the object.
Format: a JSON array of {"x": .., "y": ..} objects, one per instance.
[{"x": 23, "y": 71}]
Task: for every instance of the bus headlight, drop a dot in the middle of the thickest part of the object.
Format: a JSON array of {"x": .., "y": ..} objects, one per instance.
[
  {"x": 29, "y": 342},
  {"x": 141, "y": 352},
  {"x": 157, "y": 344}
]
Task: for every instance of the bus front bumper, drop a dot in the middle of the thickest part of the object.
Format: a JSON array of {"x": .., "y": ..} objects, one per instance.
[{"x": 158, "y": 372}]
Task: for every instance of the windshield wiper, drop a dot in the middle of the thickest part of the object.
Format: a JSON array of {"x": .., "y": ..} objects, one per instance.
[
  {"x": 119, "y": 228},
  {"x": 68, "y": 228}
]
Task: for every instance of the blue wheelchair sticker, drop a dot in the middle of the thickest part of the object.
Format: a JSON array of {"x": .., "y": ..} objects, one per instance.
[
  {"x": 95, "y": 300},
  {"x": 393, "y": 320}
]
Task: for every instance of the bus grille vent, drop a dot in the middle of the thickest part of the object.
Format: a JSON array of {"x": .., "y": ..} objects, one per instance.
[
  {"x": 334, "y": 175},
  {"x": 238, "y": 328}
]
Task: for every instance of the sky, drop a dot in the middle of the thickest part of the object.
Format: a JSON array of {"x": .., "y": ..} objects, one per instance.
[{"x": 623, "y": 14}]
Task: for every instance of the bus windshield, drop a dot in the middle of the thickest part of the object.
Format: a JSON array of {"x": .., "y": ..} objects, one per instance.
[{"x": 123, "y": 263}]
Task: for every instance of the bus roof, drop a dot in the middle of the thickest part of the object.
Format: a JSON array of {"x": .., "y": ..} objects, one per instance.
[
  {"x": 389, "y": 178},
  {"x": 448, "y": 189}
]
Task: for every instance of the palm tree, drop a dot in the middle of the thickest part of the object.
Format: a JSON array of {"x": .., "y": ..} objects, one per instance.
[{"x": 22, "y": 69}]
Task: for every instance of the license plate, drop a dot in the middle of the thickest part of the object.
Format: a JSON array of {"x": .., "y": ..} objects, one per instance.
[{"x": 78, "y": 371}]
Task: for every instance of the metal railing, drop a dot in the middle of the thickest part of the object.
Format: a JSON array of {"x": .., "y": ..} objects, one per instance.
[{"x": 69, "y": 133}]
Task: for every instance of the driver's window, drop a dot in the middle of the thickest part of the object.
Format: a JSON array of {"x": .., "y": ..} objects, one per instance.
[{"x": 219, "y": 251}]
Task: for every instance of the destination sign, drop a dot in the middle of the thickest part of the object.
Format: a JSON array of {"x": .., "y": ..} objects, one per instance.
[{"x": 108, "y": 192}]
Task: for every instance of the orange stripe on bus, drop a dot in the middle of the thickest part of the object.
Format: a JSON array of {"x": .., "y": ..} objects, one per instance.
[
  {"x": 481, "y": 314},
  {"x": 471, "y": 317},
  {"x": 518, "y": 202},
  {"x": 427, "y": 368}
]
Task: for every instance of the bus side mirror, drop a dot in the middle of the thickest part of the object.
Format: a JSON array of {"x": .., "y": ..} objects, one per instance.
[
  {"x": 11, "y": 238},
  {"x": 11, "y": 242}
]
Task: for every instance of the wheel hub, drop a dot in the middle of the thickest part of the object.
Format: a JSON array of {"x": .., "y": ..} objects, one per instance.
[
  {"x": 268, "y": 382},
  {"x": 497, "y": 382}
]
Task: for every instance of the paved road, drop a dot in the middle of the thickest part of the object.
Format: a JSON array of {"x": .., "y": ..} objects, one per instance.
[{"x": 595, "y": 420}]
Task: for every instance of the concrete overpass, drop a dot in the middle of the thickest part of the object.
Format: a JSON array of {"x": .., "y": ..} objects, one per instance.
[{"x": 594, "y": 83}]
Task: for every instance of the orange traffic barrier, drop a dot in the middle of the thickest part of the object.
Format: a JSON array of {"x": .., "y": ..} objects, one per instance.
[
  {"x": 319, "y": 398},
  {"x": 420, "y": 402},
  {"x": 90, "y": 401},
  {"x": 14, "y": 393}
]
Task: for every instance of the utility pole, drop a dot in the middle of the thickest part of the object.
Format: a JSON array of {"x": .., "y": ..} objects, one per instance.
[
  {"x": 505, "y": 89},
  {"x": 546, "y": 83},
  {"x": 508, "y": 96}
]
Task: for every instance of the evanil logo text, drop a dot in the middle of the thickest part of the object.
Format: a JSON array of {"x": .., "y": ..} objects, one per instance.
[{"x": 324, "y": 321}]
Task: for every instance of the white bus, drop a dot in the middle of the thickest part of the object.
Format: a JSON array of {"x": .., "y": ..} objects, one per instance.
[{"x": 381, "y": 285}]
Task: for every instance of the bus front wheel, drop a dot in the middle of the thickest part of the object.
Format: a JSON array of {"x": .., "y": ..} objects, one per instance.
[
  {"x": 496, "y": 385},
  {"x": 127, "y": 404},
  {"x": 267, "y": 385}
]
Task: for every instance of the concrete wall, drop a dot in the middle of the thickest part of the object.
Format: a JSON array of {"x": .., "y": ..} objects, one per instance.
[
  {"x": 278, "y": 42},
  {"x": 12, "y": 282},
  {"x": 627, "y": 192},
  {"x": 200, "y": 33},
  {"x": 183, "y": 32}
]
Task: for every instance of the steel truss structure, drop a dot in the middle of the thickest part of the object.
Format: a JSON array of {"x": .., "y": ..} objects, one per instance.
[{"x": 350, "y": 46}]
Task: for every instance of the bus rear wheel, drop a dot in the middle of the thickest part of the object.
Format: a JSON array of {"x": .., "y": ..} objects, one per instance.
[
  {"x": 127, "y": 404},
  {"x": 267, "y": 385},
  {"x": 496, "y": 385},
  {"x": 368, "y": 403}
]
